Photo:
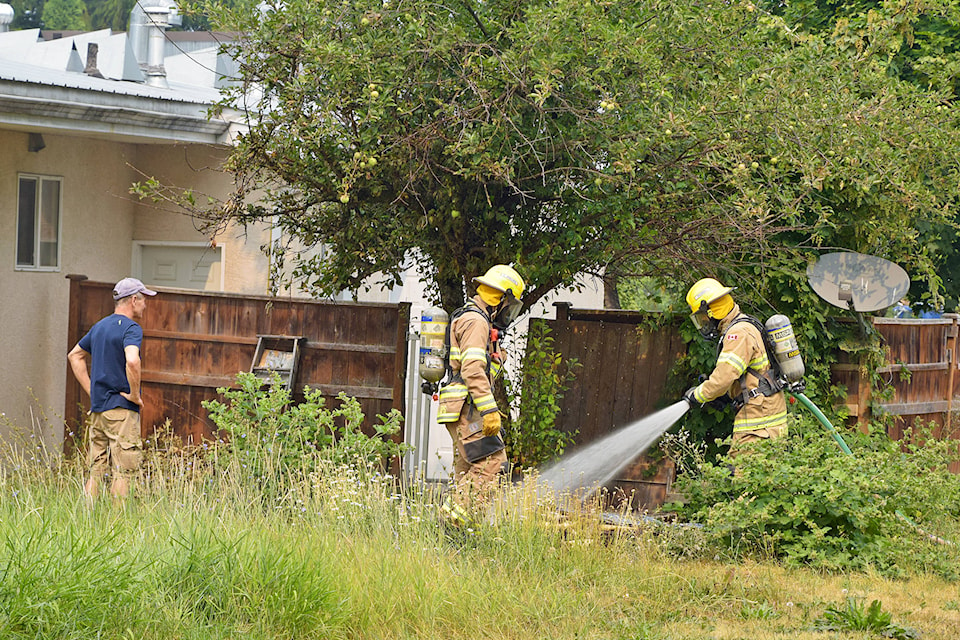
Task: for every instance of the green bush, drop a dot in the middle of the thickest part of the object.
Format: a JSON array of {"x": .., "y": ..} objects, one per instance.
[
  {"x": 534, "y": 439},
  {"x": 271, "y": 440},
  {"x": 801, "y": 499}
]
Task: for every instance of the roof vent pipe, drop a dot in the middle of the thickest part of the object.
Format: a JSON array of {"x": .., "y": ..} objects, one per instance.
[
  {"x": 157, "y": 21},
  {"x": 91, "y": 68},
  {"x": 137, "y": 34},
  {"x": 6, "y": 17}
]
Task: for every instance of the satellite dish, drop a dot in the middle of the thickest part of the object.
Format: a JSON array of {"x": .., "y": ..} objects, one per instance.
[{"x": 858, "y": 282}]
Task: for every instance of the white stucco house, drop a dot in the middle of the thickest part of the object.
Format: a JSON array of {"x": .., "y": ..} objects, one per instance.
[{"x": 83, "y": 116}]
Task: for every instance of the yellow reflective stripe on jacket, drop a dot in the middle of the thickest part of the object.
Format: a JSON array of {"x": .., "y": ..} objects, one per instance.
[
  {"x": 454, "y": 390},
  {"x": 732, "y": 359},
  {"x": 474, "y": 353},
  {"x": 495, "y": 369},
  {"x": 698, "y": 394},
  {"x": 444, "y": 417},
  {"x": 486, "y": 403},
  {"x": 761, "y": 363},
  {"x": 765, "y": 422}
]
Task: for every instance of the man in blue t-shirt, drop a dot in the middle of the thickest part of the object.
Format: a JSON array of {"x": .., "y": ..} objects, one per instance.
[{"x": 113, "y": 383}]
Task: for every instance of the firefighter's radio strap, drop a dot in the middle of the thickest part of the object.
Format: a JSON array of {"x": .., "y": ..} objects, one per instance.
[{"x": 768, "y": 382}]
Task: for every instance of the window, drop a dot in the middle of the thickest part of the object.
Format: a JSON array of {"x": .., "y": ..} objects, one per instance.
[{"x": 38, "y": 223}]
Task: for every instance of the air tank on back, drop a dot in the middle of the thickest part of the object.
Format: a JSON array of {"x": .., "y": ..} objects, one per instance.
[
  {"x": 785, "y": 347},
  {"x": 434, "y": 322}
]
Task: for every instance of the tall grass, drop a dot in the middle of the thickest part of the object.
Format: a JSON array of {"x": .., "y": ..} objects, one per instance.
[{"x": 343, "y": 552}]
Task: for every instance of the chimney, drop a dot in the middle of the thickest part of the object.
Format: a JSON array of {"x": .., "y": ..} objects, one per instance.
[
  {"x": 91, "y": 68},
  {"x": 157, "y": 21}
]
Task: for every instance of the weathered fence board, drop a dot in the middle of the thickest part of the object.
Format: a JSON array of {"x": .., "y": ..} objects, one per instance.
[
  {"x": 920, "y": 372},
  {"x": 195, "y": 342},
  {"x": 622, "y": 374}
]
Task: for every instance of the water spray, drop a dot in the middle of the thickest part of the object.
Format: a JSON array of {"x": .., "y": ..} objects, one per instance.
[{"x": 586, "y": 470}]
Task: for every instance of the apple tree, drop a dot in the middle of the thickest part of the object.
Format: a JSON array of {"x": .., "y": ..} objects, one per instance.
[{"x": 613, "y": 137}]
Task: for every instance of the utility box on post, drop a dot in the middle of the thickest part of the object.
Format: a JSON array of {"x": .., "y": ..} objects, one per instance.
[{"x": 277, "y": 355}]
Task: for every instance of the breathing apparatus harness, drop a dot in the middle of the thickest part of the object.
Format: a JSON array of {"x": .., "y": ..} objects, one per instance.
[
  {"x": 494, "y": 352},
  {"x": 771, "y": 381}
]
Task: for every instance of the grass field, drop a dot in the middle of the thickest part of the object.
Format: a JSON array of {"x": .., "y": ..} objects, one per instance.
[{"x": 342, "y": 554}]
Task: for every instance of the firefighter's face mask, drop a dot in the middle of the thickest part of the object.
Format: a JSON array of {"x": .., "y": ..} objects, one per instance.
[
  {"x": 708, "y": 327},
  {"x": 507, "y": 311}
]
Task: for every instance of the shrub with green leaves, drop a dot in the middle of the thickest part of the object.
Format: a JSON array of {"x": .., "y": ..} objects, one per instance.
[
  {"x": 801, "y": 499},
  {"x": 271, "y": 439},
  {"x": 534, "y": 438}
]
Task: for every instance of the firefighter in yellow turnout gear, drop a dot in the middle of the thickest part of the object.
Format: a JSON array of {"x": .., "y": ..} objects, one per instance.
[
  {"x": 743, "y": 371},
  {"x": 467, "y": 405}
]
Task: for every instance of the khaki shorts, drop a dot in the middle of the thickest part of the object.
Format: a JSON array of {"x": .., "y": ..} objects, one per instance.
[{"x": 115, "y": 442}]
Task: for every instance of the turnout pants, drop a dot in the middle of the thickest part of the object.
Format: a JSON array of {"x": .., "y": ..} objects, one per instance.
[{"x": 477, "y": 459}]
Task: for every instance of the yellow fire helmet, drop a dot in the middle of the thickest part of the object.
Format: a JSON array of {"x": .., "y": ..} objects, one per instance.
[
  {"x": 709, "y": 303},
  {"x": 709, "y": 292},
  {"x": 501, "y": 287},
  {"x": 501, "y": 278}
]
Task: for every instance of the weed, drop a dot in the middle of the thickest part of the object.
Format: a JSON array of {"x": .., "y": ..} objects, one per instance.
[
  {"x": 758, "y": 611},
  {"x": 853, "y": 616},
  {"x": 533, "y": 439},
  {"x": 272, "y": 442},
  {"x": 802, "y": 500}
]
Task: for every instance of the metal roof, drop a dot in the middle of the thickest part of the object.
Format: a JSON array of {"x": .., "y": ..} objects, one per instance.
[{"x": 52, "y": 93}]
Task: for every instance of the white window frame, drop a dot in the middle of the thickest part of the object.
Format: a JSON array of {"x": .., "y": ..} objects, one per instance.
[
  {"x": 136, "y": 262},
  {"x": 40, "y": 178}
]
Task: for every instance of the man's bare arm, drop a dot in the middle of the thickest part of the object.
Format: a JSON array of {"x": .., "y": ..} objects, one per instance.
[
  {"x": 78, "y": 364},
  {"x": 132, "y": 354}
]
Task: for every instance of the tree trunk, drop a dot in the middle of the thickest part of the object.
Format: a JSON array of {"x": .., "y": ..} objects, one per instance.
[{"x": 611, "y": 298}]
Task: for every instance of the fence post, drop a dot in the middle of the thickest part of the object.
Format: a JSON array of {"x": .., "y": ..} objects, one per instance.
[
  {"x": 951, "y": 363},
  {"x": 72, "y": 420},
  {"x": 863, "y": 393}
]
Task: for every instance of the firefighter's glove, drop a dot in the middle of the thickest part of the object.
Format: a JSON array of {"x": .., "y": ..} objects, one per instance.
[
  {"x": 491, "y": 423},
  {"x": 688, "y": 396}
]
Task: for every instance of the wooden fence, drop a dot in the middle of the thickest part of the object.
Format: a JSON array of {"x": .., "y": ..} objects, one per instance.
[
  {"x": 195, "y": 342},
  {"x": 624, "y": 372},
  {"x": 920, "y": 373},
  {"x": 622, "y": 376}
]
